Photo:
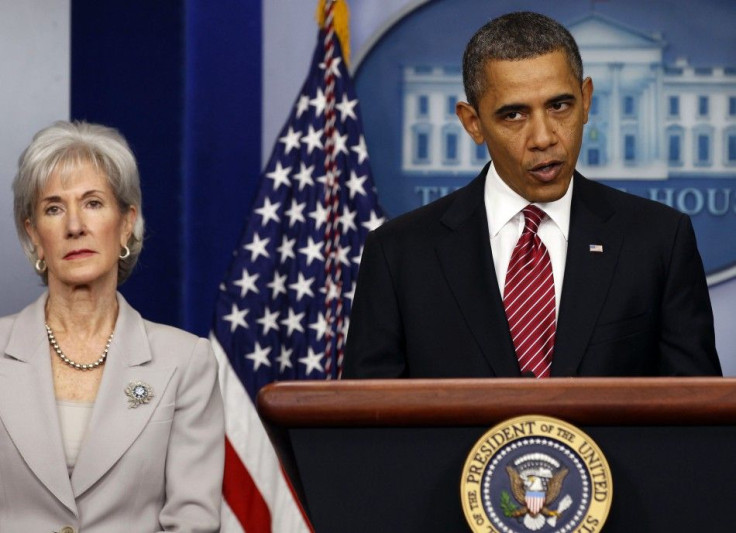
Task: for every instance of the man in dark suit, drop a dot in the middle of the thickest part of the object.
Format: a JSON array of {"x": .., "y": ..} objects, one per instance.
[{"x": 624, "y": 292}]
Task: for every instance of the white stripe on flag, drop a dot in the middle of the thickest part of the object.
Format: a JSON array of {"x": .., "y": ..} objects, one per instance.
[
  {"x": 250, "y": 441},
  {"x": 228, "y": 522}
]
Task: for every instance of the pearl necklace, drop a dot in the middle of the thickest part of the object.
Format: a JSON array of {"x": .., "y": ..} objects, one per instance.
[{"x": 78, "y": 366}]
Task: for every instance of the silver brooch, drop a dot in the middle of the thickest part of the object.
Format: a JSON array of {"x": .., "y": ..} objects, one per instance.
[{"x": 138, "y": 393}]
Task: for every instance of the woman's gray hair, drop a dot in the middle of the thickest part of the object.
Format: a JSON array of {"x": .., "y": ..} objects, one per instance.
[
  {"x": 63, "y": 147},
  {"x": 515, "y": 36}
]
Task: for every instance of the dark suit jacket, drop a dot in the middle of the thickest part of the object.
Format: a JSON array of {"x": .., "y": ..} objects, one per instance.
[{"x": 428, "y": 303}]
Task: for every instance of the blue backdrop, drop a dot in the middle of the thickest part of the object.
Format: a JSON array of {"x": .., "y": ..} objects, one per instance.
[{"x": 181, "y": 80}]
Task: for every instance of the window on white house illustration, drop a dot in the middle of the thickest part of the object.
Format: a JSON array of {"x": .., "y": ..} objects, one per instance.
[
  {"x": 629, "y": 148},
  {"x": 702, "y": 149},
  {"x": 450, "y": 141},
  {"x": 421, "y": 144},
  {"x": 674, "y": 153},
  {"x": 629, "y": 107},
  {"x": 731, "y": 147},
  {"x": 451, "y": 103},
  {"x": 703, "y": 105},
  {"x": 423, "y": 105},
  {"x": 674, "y": 106},
  {"x": 674, "y": 145}
]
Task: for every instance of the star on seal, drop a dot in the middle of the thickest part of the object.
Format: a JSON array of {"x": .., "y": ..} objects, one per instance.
[{"x": 138, "y": 393}]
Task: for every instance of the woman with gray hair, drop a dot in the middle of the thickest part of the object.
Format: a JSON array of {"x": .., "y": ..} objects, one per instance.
[{"x": 108, "y": 422}]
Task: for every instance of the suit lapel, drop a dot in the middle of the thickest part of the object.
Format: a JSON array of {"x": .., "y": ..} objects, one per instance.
[
  {"x": 467, "y": 262},
  {"x": 587, "y": 275},
  {"x": 114, "y": 425},
  {"x": 27, "y": 404}
]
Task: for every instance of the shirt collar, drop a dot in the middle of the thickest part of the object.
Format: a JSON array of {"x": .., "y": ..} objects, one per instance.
[{"x": 503, "y": 204}]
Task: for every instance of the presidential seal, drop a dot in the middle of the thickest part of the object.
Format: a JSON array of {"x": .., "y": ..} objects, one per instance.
[{"x": 535, "y": 473}]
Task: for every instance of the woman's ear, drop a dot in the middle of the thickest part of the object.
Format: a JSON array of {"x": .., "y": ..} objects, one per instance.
[{"x": 33, "y": 235}]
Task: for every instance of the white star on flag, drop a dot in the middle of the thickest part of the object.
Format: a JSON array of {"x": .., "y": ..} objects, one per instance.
[
  {"x": 269, "y": 321},
  {"x": 355, "y": 184},
  {"x": 346, "y": 108},
  {"x": 236, "y": 317},
  {"x": 313, "y": 361},
  {"x": 278, "y": 284},
  {"x": 313, "y": 139},
  {"x": 279, "y": 175},
  {"x": 295, "y": 212},
  {"x": 361, "y": 149},
  {"x": 284, "y": 359},
  {"x": 320, "y": 327},
  {"x": 290, "y": 140},
  {"x": 312, "y": 251},
  {"x": 304, "y": 176},
  {"x": 319, "y": 102},
  {"x": 257, "y": 247},
  {"x": 247, "y": 283},
  {"x": 286, "y": 249},
  {"x": 268, "y": 211},
  {"x": 303, "y": 287},
  {"x": 293, "y": 322},
  {"x": 259, "y": 356}
]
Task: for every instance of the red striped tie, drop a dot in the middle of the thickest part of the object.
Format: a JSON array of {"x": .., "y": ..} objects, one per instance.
[{"x": 529, "y": 298}]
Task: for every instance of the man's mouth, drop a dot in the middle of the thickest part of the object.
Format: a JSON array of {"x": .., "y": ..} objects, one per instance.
[{"x": 546, "y": 171}]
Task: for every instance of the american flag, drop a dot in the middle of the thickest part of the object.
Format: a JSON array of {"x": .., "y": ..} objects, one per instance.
[{"x": 283, "y": 308}]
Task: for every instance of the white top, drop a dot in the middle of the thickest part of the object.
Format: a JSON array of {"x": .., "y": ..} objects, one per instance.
[
  {"x": 506, "y": 223},
  {"x": 73, "y": 419}
]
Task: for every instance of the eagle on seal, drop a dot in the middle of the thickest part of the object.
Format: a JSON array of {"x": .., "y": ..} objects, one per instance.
[{"x": 532, "y": 495}]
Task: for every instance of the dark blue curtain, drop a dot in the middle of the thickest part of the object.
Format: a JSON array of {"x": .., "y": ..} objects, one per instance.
[{"x": 181, "y": 79}]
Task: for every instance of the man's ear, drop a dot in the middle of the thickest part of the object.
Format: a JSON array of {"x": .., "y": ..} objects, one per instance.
[
  {"x": 470, "y": 121},
  {"x": 587, "y": 92}
]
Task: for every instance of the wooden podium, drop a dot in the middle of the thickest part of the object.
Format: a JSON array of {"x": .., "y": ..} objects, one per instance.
[{"x": 384, "y": 456}]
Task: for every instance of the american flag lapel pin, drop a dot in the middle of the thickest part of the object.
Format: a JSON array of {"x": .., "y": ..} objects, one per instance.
[{"x": 595, "y": 248}]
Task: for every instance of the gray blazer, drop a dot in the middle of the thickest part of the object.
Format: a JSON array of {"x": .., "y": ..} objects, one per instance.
[{"x": 157, "y": 467}]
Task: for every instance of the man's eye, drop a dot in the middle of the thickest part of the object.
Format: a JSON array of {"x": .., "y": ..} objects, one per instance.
[
  {"x": 560, "y": 106},
  {"x": 513, "y": 115}
]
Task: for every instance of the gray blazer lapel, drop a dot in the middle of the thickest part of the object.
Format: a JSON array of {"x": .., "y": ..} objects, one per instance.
[
  {"x": 466, "y": 259},
  {"x": 587, "y": 275},
  {"x": 27, "y": 404},
  {"x": 114, "y": 425}
]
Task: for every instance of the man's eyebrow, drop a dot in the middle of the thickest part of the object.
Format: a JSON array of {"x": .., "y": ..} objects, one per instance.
[
  {"x": 561, "y": 98},
  {"x": 510, "y": 108}
]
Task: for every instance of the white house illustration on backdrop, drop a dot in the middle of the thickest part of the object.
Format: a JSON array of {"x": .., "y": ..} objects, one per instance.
[{"x": 648, "y": 120}]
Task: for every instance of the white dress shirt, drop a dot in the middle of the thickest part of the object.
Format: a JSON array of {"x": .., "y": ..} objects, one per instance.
[{"x": 506, "y": 223}]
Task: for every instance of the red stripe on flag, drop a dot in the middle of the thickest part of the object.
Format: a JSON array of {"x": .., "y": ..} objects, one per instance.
[{"x": 242, "y": 495}]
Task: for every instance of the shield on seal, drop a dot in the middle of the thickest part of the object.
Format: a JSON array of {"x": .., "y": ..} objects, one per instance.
[{"x": 534, "y": 501}]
